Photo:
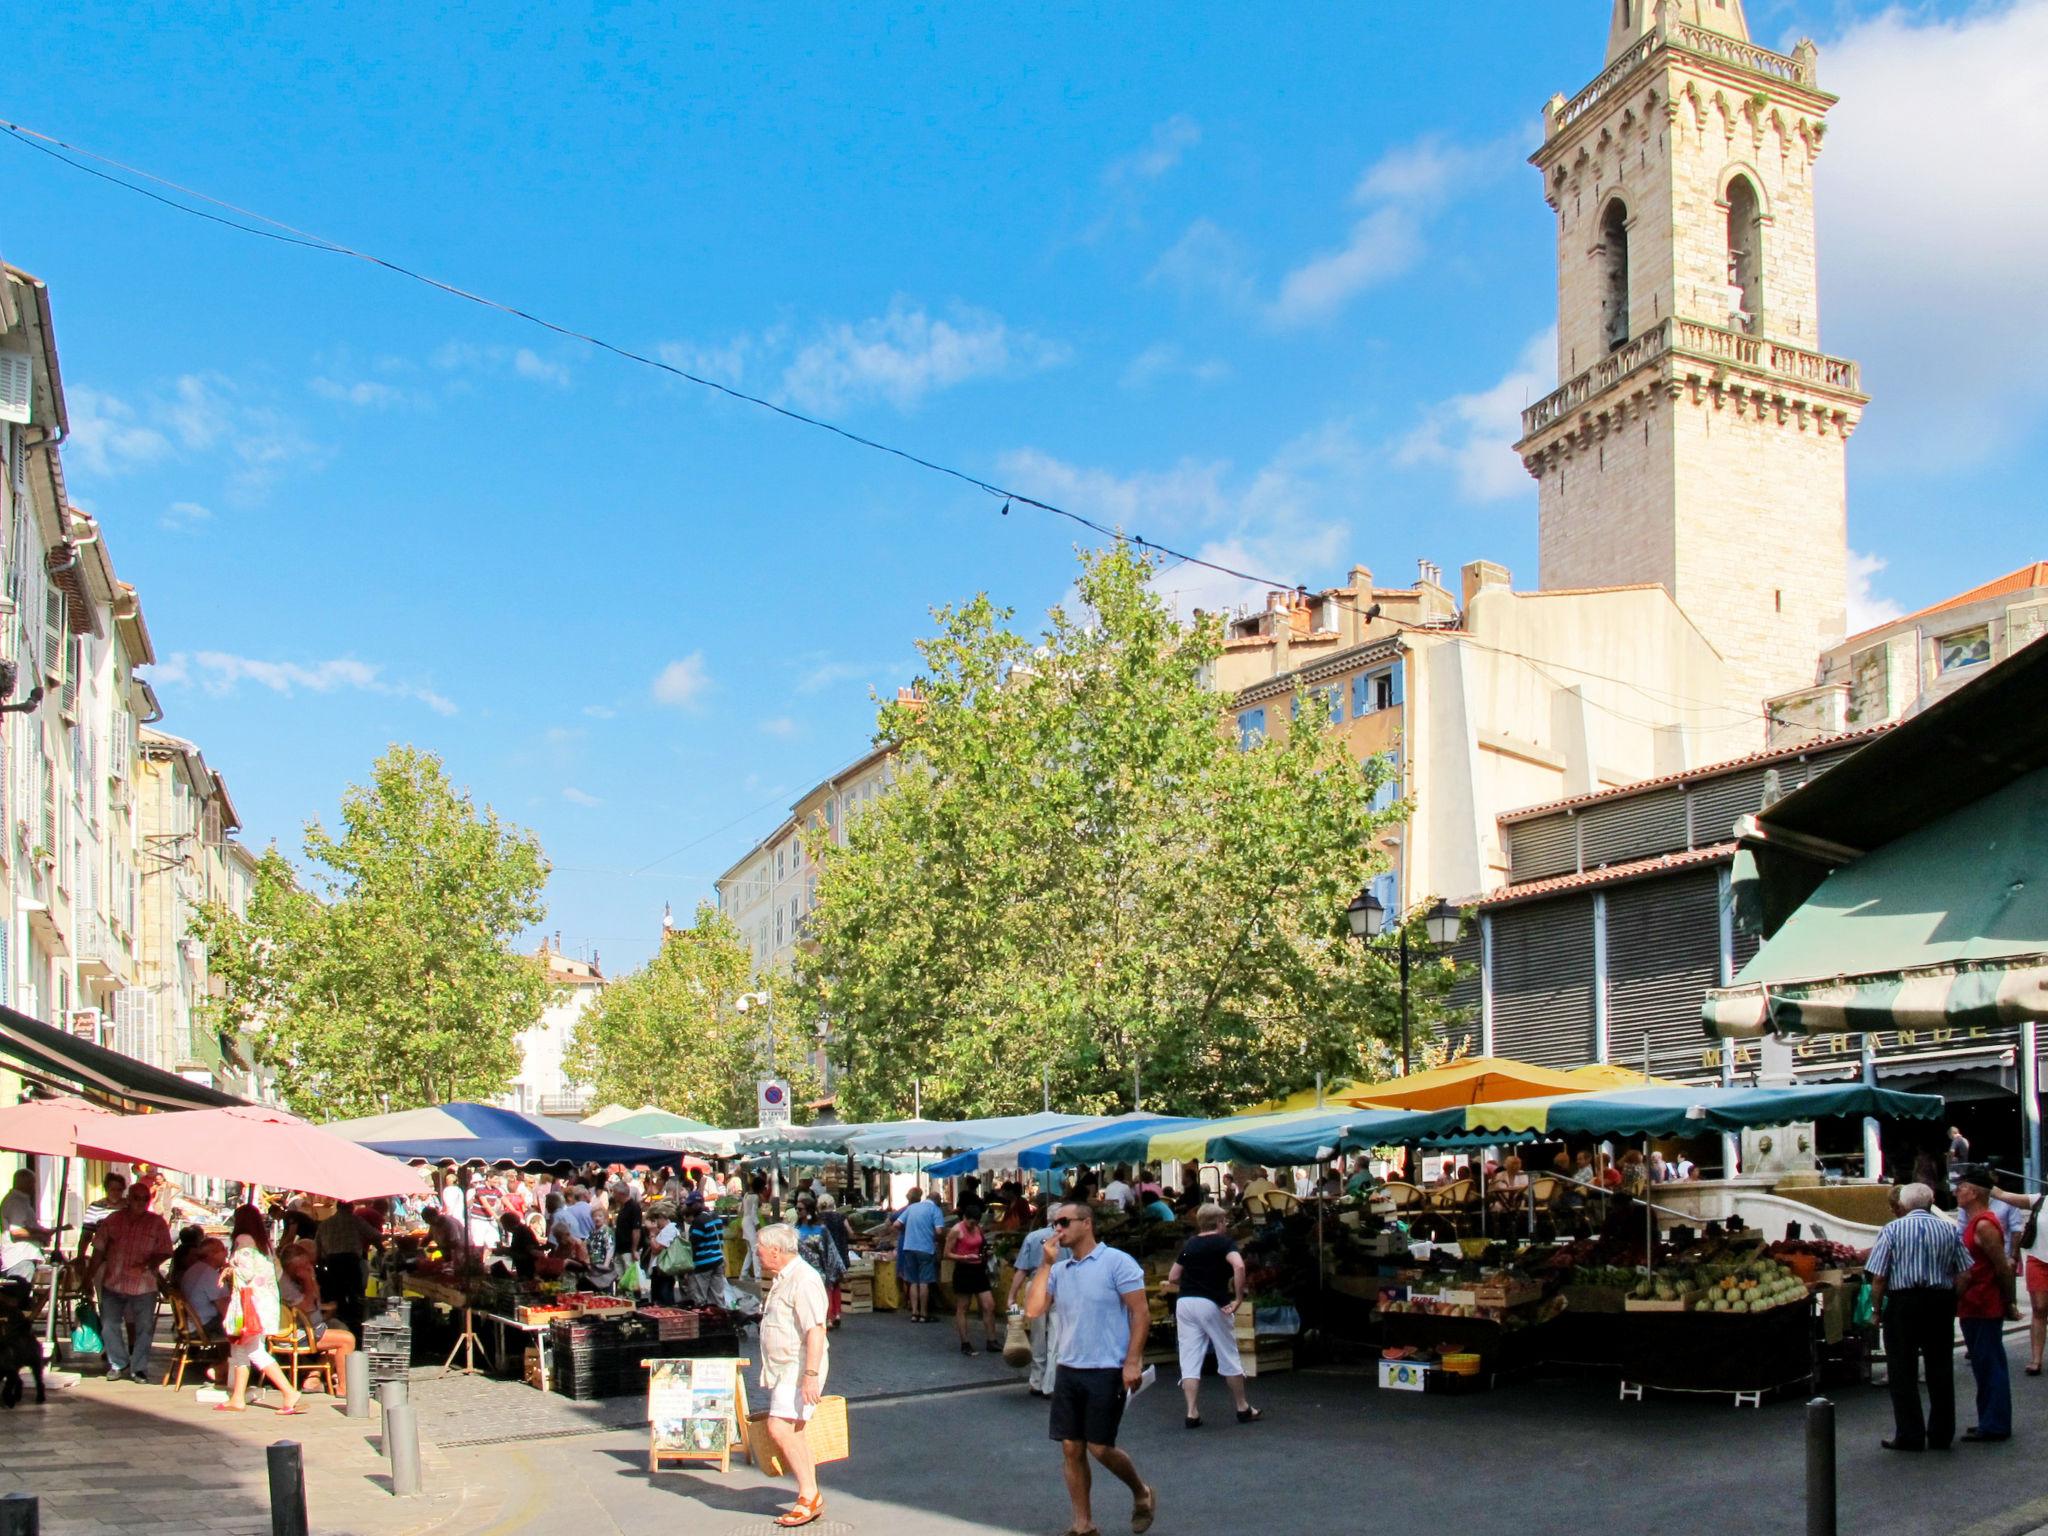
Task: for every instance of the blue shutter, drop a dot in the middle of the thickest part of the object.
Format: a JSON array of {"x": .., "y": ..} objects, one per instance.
[
  {"x": 1361, "y": 697},
  {"x": 1251, "y": 729},
  {"x": 1335, "y": 693},
  {"x": 1394, "y": 678}
]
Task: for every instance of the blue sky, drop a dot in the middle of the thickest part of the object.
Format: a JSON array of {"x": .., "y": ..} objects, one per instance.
[{"x": 1271, "y": 283}]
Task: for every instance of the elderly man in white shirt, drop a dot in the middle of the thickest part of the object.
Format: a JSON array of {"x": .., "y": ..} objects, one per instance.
[{"x": 793, "y": 1361}]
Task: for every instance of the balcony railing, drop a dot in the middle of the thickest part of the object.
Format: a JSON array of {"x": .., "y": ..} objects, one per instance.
[
  {"x": 1715, "y": 344},
  {"x": 96, "y": 945},
  {"x": 1793, "y": 69}
]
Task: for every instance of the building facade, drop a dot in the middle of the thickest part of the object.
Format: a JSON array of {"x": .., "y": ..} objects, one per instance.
[
  {"x": 1898, "y": 668},
  {"x": 543, "y": 1087},
  {"x": 1500, "y": 699},
  {"x": 1698, "y": 439},
  {"x": 769, "y": 891}
]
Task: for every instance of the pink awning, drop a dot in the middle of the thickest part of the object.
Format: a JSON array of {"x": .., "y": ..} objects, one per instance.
[{"x": 255, "y": 1145}]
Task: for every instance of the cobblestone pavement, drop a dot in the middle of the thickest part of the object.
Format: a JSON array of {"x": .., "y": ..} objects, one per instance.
[{"x": 106, "y": 1457}]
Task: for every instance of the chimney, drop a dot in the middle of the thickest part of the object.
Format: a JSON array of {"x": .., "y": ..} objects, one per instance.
[
  {"x": 1430, "y": 572},
  {"x": 1477, "y": 575}
]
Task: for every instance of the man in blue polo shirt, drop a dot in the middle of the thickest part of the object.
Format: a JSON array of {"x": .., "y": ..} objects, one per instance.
[
  {"x": 704, "y": 1283},
  {"x": 1104, "y": 1318},
  {"x": 917, "y": 1251}
]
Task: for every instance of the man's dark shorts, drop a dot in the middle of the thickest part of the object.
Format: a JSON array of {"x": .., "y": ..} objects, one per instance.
[{"x": 1087, "y": 1404}]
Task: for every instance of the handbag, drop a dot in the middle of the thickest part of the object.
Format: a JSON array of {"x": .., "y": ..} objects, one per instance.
[
  {"x": 2033, "y": 1224},
  {"x": 675, "y": 1258},
  {"x": 85, "y": 1330}
]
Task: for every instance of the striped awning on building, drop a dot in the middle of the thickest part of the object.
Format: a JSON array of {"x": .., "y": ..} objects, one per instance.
[
  {"x": 1932, "y": 997},
  {"x": 49, "y": 1056}
]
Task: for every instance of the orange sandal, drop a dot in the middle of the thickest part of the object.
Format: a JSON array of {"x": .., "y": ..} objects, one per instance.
[{"x": 803, "y": 1511}]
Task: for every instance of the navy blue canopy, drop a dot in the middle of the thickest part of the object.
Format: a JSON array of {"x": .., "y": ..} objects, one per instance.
[{"x": 465, "y": 1133}]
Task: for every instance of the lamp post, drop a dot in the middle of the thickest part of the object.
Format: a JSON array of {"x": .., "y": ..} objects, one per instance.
[{"x": 1369, "y": 920}]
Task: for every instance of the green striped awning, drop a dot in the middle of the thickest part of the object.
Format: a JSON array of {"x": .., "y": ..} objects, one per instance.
[
  {"x": 45, "y": 1054},
  {"x": 1928, "y": 997}
]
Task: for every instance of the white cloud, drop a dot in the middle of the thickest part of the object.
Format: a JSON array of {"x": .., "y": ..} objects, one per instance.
[
  {"x": 1206, "y": 262},
  {"x": 1165, "y": 360},
  {"x": 599, "y": 711},
  {"x": 1867, "y": 608},
  {"x": 1170, "y": 140},
  {"x": 220, "y": 672},
  {"x": 1382, "y": 245},
  {"x": 105, "y": 436},
  {"x": 1475, "y": 434},
  {"x": 185, "y": 516},
  {"x": 196, "y": 416},
  {"x": 780, "y": 726},
  {"x": 1278, "y": 523},
  {"x": 561, "y": 735},
  {"x": 723, "y": 362},
  {"x": 907, "y": 353},
  {"x": 367, "y": 394},
  {"x": 1397, "y": 195},
  {"x": 680, "y": 683},
  {"x": 821, "y": 672},
  {"x": 529, "y": 364},
  {"x": 577, "y": 796},
  {"x": 1931, "y": 246}
]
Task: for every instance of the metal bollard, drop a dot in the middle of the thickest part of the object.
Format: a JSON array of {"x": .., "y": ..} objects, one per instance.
[
  {"x": 402, "y": 1439},
  {"x": 391, "y": 1397},
  {"x": 20, "y": 1515},
  {"x": 357, "y": 1376},
  {"x": 287, "y": 1489},
  {"x": 1820, "y": 1467}
]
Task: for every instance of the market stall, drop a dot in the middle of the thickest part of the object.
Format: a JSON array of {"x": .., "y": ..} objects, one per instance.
[{"x": 485, "y": 1133}]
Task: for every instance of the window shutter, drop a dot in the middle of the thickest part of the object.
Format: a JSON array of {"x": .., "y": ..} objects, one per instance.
[
  {"x": 53, "y": 633},
  {"x": 1663, "y": 952},
  {"x": 1394, "y": 683},
  {"x": 1542, "y": 848},
  {"x": 17, "y": 385},
  {"x": 1361, "y": 696}
]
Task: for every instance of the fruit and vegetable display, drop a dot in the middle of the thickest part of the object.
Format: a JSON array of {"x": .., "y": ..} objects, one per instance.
[
  {"x": 1830, "y": 1255},
  {"x": 1756, "y": 1285}
]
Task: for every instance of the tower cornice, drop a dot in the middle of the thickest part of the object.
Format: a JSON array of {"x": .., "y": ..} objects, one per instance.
[
  {"x": 1803, "y": 388},
  {"x": 1729, "y": 62}
]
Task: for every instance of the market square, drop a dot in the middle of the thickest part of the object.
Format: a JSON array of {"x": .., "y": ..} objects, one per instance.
[{"x": 858, "y": 893}]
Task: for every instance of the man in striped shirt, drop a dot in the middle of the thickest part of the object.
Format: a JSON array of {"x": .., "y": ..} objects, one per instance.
[{"x": 1913, "y": 1268}]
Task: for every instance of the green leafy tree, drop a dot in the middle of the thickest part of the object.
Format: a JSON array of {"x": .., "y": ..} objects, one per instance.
[
  {"x": 393, "y": 981},
  {"x": 1079, "y": 874},
  {"x": 673, "y": 1033}
]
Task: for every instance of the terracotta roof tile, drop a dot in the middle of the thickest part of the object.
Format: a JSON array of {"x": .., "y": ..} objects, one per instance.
[
  {"x": 1611, "y": 874},
  {"x": 1694, "y": 775},
  {"x": 2024, "y": 579}
]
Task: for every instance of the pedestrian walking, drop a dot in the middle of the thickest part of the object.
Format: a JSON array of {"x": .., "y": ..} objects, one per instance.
[
  {"x": 1211, "y": 1279},
  {"x": 2033, "y": 1258},
  {"x": 1984, "y": 1303},
  {"x": 794, "y": 1356},
  {"x": 1914, "y": 1267},
  {"x": 1043, "y": 1327},
  {"x": 750, "y": 1224},
  {"x": 1100, "y": 1292}
]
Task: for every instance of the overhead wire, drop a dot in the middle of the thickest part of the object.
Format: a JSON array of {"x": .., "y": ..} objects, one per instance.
[{"x": 75, "y": 156}]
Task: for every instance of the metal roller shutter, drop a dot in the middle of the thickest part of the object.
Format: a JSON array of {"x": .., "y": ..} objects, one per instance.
[
  {"x": 1663, "y": 952},
  {"x": 1719, "y": 803},
  {"x": 1542, "y": 848},
  {"x": 1543, "y": 982},
  {"x": 1461, "y": 1030},
  {"x": 1637, "y": 827}
]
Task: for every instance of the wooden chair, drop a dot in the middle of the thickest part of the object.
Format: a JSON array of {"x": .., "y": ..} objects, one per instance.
[
  {"x": 191, "y": 1344},
  {"x": 1546, "y": 1190},
  {"x": 1395, "y": 1199},
  {"x": 292, "y": 1347},
  {"x": 1459, "y": 1195}
]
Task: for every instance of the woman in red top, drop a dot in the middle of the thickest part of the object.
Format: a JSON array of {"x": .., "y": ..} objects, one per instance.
[{"x": 967, "y": 1247}]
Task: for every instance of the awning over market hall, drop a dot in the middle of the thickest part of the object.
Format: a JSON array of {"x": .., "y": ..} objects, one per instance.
[
  {"x": 1683, "y": 1112},
  {"x": 1907, "y": 888},
  {"x": 64, "y": 1062}
]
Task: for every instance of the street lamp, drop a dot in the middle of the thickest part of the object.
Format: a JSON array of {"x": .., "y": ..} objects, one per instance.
[{"x": 1369, "y": 920}]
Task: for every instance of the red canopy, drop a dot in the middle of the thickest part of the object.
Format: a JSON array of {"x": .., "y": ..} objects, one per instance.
[
  {"x": 257, "y": 1146},
  {"x": 53, "y": 1127}
]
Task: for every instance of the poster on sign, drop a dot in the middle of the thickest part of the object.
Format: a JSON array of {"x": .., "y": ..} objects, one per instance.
[
  {"x": 772, "y": 1102},
  {"x": 694, "y": 1411}
]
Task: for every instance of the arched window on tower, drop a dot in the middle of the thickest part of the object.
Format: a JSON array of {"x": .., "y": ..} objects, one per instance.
[
  {"x": 1745, "y": 255},
  {"x": 1614, "y": 271}
]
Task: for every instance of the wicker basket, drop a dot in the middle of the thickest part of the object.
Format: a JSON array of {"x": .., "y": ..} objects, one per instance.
[{"x": 826, "y": 1432}]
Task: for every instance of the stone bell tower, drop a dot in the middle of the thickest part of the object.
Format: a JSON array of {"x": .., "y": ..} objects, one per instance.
[{"x": 1699, "y": 437}]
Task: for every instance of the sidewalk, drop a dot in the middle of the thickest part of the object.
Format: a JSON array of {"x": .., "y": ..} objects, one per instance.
[{"x": 113, "y": 1457}]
